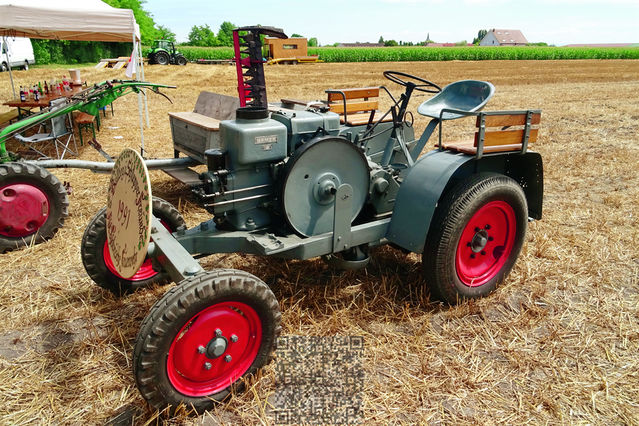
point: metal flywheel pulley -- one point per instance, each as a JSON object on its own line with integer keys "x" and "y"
{"x": 313, "y": 174}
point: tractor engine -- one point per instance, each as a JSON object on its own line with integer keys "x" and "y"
{"x": 239, "y": 184}
{"x": 285, "y": 166}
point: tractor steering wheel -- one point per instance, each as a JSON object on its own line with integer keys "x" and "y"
{"x": 421, "y": 85}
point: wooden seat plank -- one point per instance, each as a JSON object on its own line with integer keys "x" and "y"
{"x": 197, "y": 119}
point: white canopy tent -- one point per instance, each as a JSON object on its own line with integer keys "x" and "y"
{"x": 87, "y": 20}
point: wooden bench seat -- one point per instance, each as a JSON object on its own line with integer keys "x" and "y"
{"x": 355, "y": 105}
{"x": 197, "y": 119}
{"x": 495, "y": 133}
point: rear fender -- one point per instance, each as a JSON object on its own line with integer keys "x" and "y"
{"x": 437, "y": 172}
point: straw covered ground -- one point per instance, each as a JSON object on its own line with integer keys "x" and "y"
{"x": 557, "y": 342}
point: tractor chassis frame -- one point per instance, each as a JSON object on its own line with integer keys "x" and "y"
{"x": 174, "y": 252}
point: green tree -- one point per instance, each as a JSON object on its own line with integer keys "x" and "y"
{"x": 225, "y": 34}
{"x": 144, "y": 19}
{"x": 312, "y": 42}
{"x": 480, "y": 35}
{"x": 390, "y": 43}
{"x": 296, "y": 35}
{"x": 381, "y": 40}
{"x": 202, "y": 36}
{"x": 165, "y": 33}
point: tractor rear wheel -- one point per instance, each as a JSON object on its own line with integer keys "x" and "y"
{"x": 203, "y": 337}
{"x": 162, "y": 58}
{"x": 97, "y": 259}
{"x": 33, "y": 205}
{"x": 180, "y": 60}
{"x": 475, "y": 237}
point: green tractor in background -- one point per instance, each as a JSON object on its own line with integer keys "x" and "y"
{"x": 163, "y": 53}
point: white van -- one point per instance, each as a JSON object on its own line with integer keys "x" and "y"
{"x": 20, "y": 53}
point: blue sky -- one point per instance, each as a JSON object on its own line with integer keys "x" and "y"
{"x": 556, "y": 22}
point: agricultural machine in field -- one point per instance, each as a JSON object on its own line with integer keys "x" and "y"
{"x": 164, "y": 52}
{"x": 33, "y": 202}
{"x": 299, "y": 180}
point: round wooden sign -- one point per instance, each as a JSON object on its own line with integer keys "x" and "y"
{"x": 128, "y": 214}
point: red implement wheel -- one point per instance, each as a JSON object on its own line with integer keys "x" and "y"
{"x": 476, "y": 236}
{"x": 97, "y": 260}
{"x": 33, "y": 205}
{"x": 202, "y": 337}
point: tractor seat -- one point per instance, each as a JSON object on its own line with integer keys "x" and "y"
{"x": 464, "y": 95}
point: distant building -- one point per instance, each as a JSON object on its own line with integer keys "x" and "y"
{"x": 360, "y": 45}
{"x": 503, "y": 38}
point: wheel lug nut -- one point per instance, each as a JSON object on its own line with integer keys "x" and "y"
{"x": 218, "y": 332}
{"x": 477, "y": 229}
{"x": 487, "y": 227}
{"x": 483, "y": 253}
{"x": 207, "y": 366}
{"x": 468, "y": 244}
{"x": 201, "y": 349}
{"x": 472, "y": 256}
{"x": 233, "y": 338}
{"x": 490, "y": 238}
{"x": 228, "y": 358}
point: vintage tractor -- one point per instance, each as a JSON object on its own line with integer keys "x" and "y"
{"x": 298, "y": 182}
{"x": 163, "y": 52}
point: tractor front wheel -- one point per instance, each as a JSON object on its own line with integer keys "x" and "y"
{"x": 203, "y": 337}
{"x": 180, "y": 60}
{"x": 162, "y": 58}
{"x": 97, "y": 259}
{"x": 33, "y": 205}
{"x": 476, "y": 236}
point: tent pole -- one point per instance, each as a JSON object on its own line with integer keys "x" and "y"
{"x": 141, "y": 68}
{"x": 137, "y": 77}
{"x": 6, "y": 52}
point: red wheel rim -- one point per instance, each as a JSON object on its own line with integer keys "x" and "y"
{"x": 486, "y": 243}
{"x": 193, "y": 370}
{"x": 24, "y": 209}
{"x": 145, "y": 272}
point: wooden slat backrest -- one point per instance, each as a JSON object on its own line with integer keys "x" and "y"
{"x": 353, "y": 107}
{"x": 506, "y": 137}
{"x": 354, "y": 93}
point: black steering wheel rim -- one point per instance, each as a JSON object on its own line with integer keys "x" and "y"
{"x": 423, "y": 86}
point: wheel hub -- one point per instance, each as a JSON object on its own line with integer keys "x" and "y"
{"x": 216, "y": 347}
{"x": 479, "y": 241}
{"x": 485, "y": 243}
{"x": 24, "y": 209}
{"x": 203, "y": 361}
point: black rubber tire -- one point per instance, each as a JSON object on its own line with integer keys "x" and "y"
{"x": 162, "y": 58}
{"x": 49, "y": 185}
{"x": 26, "y": 66}
{"x": 180, "y": 60}
{"x": 453, "y": 213}
{"x": 152, "y": 59}
{"x": 92, "y": 250}
{"x": 3, "y": 67}
{"x": 168, "y": 316}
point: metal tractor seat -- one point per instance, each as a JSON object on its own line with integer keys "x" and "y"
{"x": 464, "y": 95}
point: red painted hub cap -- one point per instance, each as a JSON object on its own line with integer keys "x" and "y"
{"x": 24, "y": 208}
{"x": 486, "y": 243}
{"x": 145, "y": 272}
{"x": 202, "y": 362}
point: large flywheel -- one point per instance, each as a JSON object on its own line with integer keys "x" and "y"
{"x": 313, "y": 174}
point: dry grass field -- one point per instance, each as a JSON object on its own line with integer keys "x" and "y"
{"x": 557, "y": 343}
